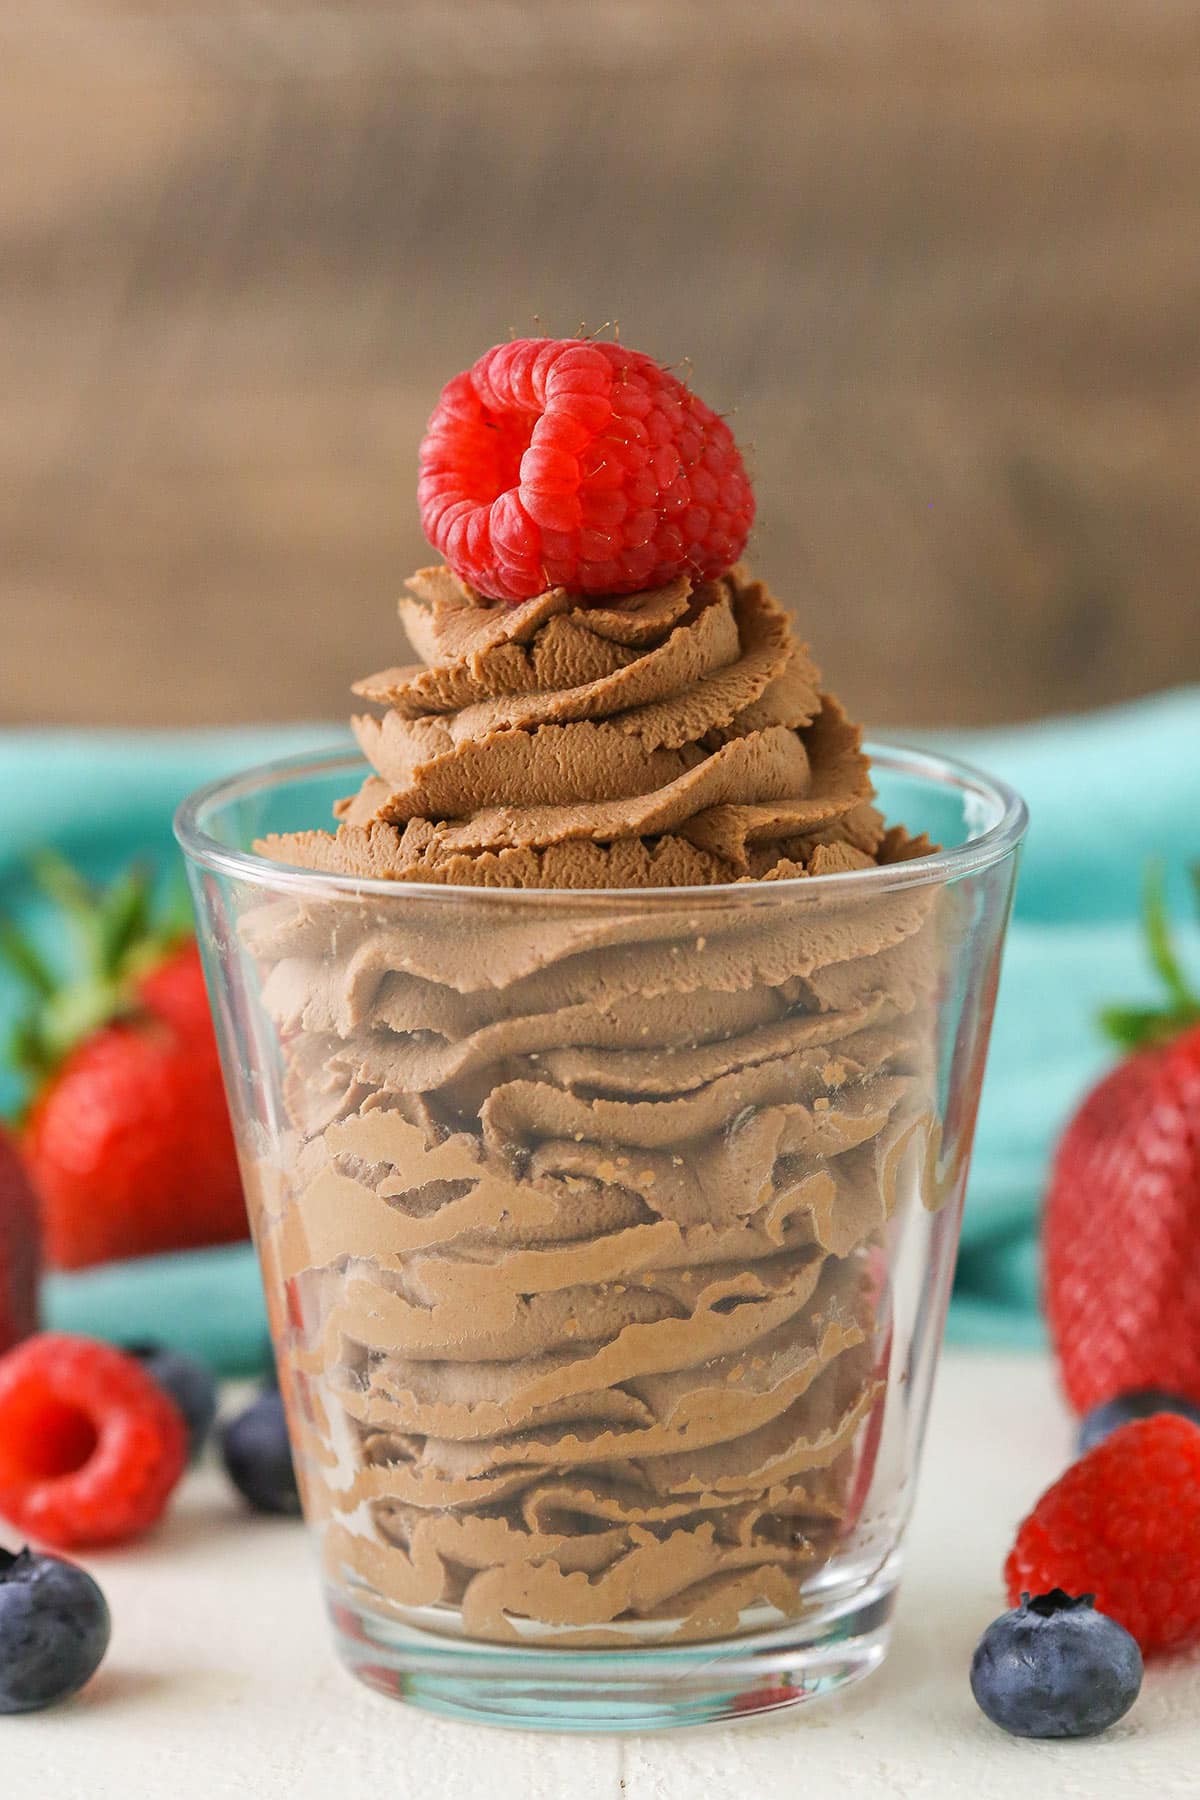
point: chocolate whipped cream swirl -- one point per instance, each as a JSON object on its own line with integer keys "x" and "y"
{"x": 679, "y": 738}
{"x": 585, "y": 1209}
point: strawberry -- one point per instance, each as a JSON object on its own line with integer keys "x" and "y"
{"x": 127, "y": 1138}
{"x": 18, "y": 1248}
{"x": 1123, "y": 1525}
{"x": 1121, "y": 1228}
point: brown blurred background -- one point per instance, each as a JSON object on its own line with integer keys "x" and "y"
{"x": 941, "y": 260}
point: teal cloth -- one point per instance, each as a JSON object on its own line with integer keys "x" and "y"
{"x": 1106, "y": 792}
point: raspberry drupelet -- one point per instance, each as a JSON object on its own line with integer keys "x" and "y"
{"x": 562, "y": 462}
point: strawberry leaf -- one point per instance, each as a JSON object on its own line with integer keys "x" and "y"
{"x": 70, "y": 893}
{"x": 118, "y": 939}
{"x": 1159, "y": 940}
{"x": 123, "y": 921}
{"x": 27, "y": 1050}
{"x": 62, "y": 883}
{"x": 78, "y": 1010}
{"x": 24, "y": 960}
{"x": 1135, "y": 1027}
{"x": 1140, "y": 1028}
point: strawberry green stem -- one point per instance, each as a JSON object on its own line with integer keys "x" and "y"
{"x": 117, "y": 941}
{"x": 1136, "y": 1028}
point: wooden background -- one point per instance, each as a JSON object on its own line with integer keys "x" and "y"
{"x": 941, "y": 260}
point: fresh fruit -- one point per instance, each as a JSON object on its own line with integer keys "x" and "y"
{"x": 127, "y": 1139}
{"x": 1103, "y": 1420}
{"x": 258, "y": 1455}
{"x": 54, "y": 1630}
{"x": 188, "y": 1381}
{"x": 765, "y": 1699}
{"x": 347, "y": 1621}
{"x": 1056, "y": 1668}
{"x": 1123, "y": 1524}
{"x": 1122, "y": 1218}
{"x": 566, "y": 462}
{"x": 18, "y": 1248}
{"x": 90, "y": 1446}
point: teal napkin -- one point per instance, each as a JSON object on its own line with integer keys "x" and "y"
{"x": 1106, "y": 792}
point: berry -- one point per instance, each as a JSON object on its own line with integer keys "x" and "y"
{"x": 347, "y": 1621}
{"x": 18, "y": 1248}
{"x": 1056, "y": 1668}
{"x": 1122, "y": 1231}
{"x": 563, "y": 462}
{"x": 764, "y": 1699}
{"x": 90, "y": 1446}
{"x": 1122, "y": 1217}
{"x": 1123, "y": 1524}
{"x": 127, "y": 1139}
{"x": 174, "y": 990}
{"x": 188, "y": 1381}
{"x": 54, "y": 1630}
{"x": 1103, "y": 1420}
{"x": 131, "y": 1149}
{"x": 258, "y": 1455}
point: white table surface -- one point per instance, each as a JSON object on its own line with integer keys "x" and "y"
{"x": 221, "y": 1685}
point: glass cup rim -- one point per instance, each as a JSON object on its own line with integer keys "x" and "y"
{"x": 1001, "y": 838}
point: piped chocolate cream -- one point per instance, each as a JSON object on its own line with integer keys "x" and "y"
{"x": 587, "y": 1205}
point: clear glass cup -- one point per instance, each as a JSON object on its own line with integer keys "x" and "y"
{"x": 607, "y": 1240}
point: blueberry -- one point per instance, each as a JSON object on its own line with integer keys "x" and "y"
{"x": 258, "y": 1455}
{"x": 1140, "y": 1404}
{"x": 54, "y": 1629}
{"x": 1056, "y": 1668}
{"x": 188, "y": 1381}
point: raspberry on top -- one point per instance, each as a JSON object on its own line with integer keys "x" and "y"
{"x": 569, "y": 463}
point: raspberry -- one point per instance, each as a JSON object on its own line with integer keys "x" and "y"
{"x": 90, "y": 1446}
{"x": 1123, "y": 1524}
{"x": 558, "y": 462}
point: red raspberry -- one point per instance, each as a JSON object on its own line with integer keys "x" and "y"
{"x": 558, "y": 462}
{"x": 1123, "y": 1524}
{"x": 90, "y": 1446}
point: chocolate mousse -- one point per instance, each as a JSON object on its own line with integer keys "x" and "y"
{"x": 588, "y": 1201}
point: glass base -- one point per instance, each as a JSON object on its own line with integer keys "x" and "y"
{"x": 606, "y": 1690}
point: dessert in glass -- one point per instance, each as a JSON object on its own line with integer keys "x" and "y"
{"x": 604, "y": 1082}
